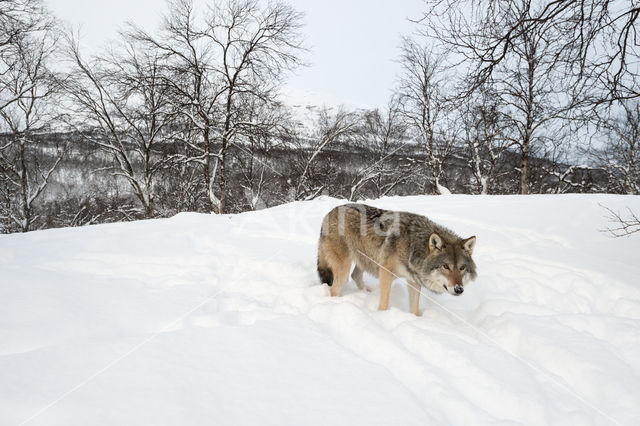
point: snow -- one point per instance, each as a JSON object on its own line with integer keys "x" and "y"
{"x": 204, "y": 319}
{"x": 442, "y": 190}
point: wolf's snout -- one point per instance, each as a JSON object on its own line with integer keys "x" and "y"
{"x": 458, "y": 289}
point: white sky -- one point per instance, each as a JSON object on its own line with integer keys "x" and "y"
{"x": 354, "y": 42}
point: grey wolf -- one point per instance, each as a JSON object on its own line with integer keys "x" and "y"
{"x": 390, "y": 244}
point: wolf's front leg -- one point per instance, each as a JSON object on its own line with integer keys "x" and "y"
{"x": 357, "y": 277}
{"x": 386, "y": 278}
{"x": 414, "y": 298}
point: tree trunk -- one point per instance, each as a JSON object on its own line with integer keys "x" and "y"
{"x": 207, "y": 169}
{"x": 225, "y": 142}
{"x": 524, "y": 170}
{"x": 24, "y": 183}
{"x": 223, "y": 182}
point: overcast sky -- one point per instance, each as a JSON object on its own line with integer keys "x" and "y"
{"x": 354, "y": 42}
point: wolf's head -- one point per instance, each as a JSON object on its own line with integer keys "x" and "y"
{"x": 443, "y": 263}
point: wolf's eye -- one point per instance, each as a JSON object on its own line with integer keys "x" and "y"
{"x": 463, "y": 267}
{"x": 445, "y": 266}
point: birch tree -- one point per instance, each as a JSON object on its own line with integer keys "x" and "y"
{"x": 238, "y": 48}
{"x": 21, "y": 22}
{"x": 619, "y": 156}
{"x": 530, "y": 75}
{"x": 330, "y": 130}
{"x": 423, "y": 105}
{"x": 596, "y": 40}
{"x": 124, "y": 102}
{"x": 267, "y": 126}
{"x": 384, "y": 134}
{"x": 28, "y": 92}
{"x": 484, "y": 137}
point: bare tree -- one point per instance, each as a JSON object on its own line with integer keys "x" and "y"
{"x": 423, "y": 104}
{"x": 238, "y": 49}
{"x": 597, "y": 39}
{"x": 267, "y": 125}
{"x": 619, "y": 157}
{"x": 484, "y": 136}
{"x": 196, "y": 89}
{"x": 622, "y": 225}
{"x": 529, "y": 84}
{"x": 331, "y": 130}
{"x": 20, "y": 22}
{"x": 123, "y": 98}
{"x": 384, "y": 134}
{"x": 530, "y": 79}
{"x": 28, "y": 89}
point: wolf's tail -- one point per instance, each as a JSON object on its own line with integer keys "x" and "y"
{"x": 324, "y": 270}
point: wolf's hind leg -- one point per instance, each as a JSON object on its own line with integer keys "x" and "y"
{"x": 357, "y": 277}
{"x": 414, "y": 298}
{"x": 340, "y": 276}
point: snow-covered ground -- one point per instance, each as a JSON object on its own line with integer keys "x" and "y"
{"x": 220, "y": 320}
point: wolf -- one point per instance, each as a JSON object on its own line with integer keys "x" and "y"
{"x": 391, "y": 244}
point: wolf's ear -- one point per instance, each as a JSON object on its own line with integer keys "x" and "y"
{"x": 435, "y": 242}
{"x": 469, "y": 244}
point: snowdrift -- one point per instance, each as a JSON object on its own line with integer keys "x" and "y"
{"x": 202, "y": 319}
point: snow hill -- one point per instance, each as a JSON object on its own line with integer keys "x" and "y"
{"x": 220, "y": 320}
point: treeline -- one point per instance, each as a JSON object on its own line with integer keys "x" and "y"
{"x": 506, "y": 100}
